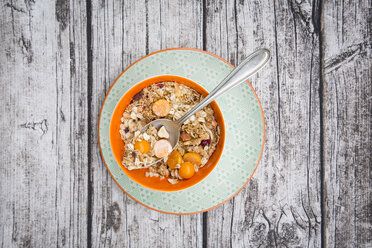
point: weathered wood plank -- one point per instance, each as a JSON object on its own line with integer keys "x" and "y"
{"x": 43, "y": 176}
{"x": 122, "y": 33}
{"x": 347, "y": 123}
{"x": 281, "y": 205}
{"x": 44, "y": 117}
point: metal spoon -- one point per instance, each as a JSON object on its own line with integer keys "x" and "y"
{"x": 247, "y": 68}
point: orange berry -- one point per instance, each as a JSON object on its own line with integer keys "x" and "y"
{"x": 142, "y": 146}
{"x": 192, "y": 157}
{"x": 161, "y": 107}
{"x": 162, "y": 148}
{"x": 187, "y": 170}
{"x": 173, "y": 159}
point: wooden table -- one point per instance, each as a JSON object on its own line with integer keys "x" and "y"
{"x": 313, "y": 186}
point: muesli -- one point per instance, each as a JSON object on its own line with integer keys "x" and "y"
{"x": 198, "y": 140}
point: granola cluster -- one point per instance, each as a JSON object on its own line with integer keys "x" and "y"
{"x": 199, "y": 134}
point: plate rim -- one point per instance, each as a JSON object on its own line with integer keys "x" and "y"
{"x": 263, "y": 138}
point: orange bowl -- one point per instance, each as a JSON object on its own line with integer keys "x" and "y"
{"x": 155, "y": 183}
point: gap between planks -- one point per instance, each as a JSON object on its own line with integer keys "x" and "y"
{"x": 89, "y": 103}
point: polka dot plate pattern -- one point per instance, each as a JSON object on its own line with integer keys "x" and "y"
{"x": 244, "y": 123}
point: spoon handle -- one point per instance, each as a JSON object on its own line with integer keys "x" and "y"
{"x": 247, "y": 68}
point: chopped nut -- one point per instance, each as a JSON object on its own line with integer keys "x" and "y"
{"x": 136, "y": 161}
{"x": 152, "y": 174}
{"x": 172, "y": 181}
{"x": 181, "y": 150}
{"x": 185, "y": 136}
{"x": 177, "y": 90}
{"x": 162, "y": 133}
{"x": 193, "y": 142}
{"x": 163, "y": 171}
{"x": 130, "y": 146}
{"x": 145, "y": 136}
{"x": 203, "y": 161}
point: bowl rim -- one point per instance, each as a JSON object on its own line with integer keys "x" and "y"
{"x": 220, "y": 144}
{"x": 204, "y": 210}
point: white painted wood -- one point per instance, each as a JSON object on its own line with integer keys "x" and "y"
{"x": 347, "y": 124}
{"x": 43, "y": 174}
{"x": 123, "y": 33}
{"x": 281, "y": 204}
{"x": 313, "y": 185}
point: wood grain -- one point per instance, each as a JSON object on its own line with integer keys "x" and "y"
{"x": 58, "y": 59}
{"x": 347, "y": 124}
{"x": 43, "y": 175}
{"x": 123, "y": 32}
{"x": 281, "y": 204}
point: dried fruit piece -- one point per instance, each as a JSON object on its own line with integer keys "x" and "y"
{"x": 205, "y": 142}
{"x": 138, "y": 96}
{"x": 185, "y": 136}
{"x": 142, "y": 146}
{"x": 161, "y": 107}
{"x": 187, "y": 170}
{"x": 160, "y": 85}
{"x": 192, "y": 157}
{"x": 173, "y": 159}
{"x": 162, "y": 148}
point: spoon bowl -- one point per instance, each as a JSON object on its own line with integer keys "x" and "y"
{"x": 172, "y": 127}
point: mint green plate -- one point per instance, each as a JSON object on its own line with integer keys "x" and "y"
{"x": 244, "y": 121}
